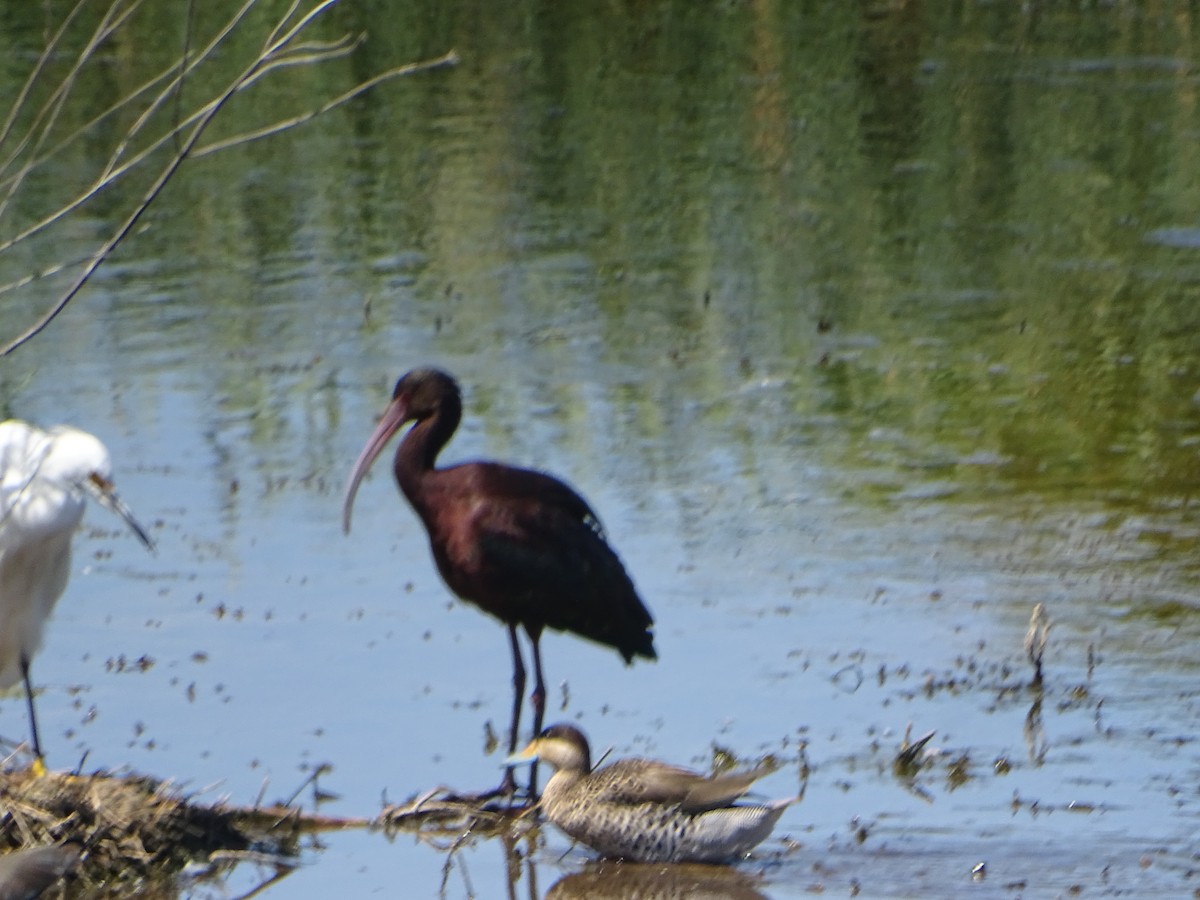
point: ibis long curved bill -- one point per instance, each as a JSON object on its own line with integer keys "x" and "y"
{"x": 393, "y": 419}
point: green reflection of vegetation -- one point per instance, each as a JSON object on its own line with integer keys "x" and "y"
{"x": 928, "y": 233}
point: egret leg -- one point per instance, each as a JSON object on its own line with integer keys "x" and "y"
{"x": 537, "y": 700}
{"x": 39, "y": 765}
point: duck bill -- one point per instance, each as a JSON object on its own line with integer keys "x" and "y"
{"x": 106, "y": 495}
{"x": 393, "y": 417}
{"x": 523, "y": 757}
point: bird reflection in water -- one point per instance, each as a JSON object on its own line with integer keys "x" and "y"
{"x": 597, "y": 880}
{"x": 657, "y": 882}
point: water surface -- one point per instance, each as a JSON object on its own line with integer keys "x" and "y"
{"x": 864, "y": 330}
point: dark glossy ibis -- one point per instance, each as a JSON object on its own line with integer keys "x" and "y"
{"x": 517, "y": 543}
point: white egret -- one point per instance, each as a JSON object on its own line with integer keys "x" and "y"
{"x": 45, "y": 478}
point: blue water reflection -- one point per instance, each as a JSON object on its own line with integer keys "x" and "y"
{"x": 864, "y": 330}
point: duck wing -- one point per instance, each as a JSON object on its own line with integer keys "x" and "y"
{"x": 649, "y": 781}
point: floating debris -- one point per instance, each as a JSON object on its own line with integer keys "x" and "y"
{"x": 911, "y": 755}
{"x": 441, "y": 813}
{"x": 958, "y": 771}
{"x": 1035, "y": 640}
{"x": 1034, "y": 731}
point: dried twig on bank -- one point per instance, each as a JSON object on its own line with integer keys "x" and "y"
{"x": 134, "y": 828}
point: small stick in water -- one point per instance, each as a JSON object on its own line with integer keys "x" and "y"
{"x": 1035, "y": 640}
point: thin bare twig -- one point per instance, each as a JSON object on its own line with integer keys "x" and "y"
{"x": 36, "y": 73}
{"x": 45, "y": 119}
{"x": 26, "y": 280}
{"x": 112, "y": 172}
{"x": 189, "y": 22}
{"x": 448, "y": 59}
{"x": 283, "y": 48}
{"x": 172, "y": 88}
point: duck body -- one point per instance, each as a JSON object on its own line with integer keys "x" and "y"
{"x": 648, "y": 811}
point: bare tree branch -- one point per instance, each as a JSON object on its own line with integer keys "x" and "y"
{"x": 36, "y": 73}
{"x": 448, "y": 59}
{"x": 47, "y": 116}
{"x": 282, "y": 49}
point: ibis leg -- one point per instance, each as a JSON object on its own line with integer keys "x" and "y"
{"x": 518, "y": 689}
{"x": 508, "y": 787}
{"x": 538, "y": 701}
{"x": 510, "y": 781}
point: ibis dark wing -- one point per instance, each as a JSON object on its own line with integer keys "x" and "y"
{"x": 541, "y": 555}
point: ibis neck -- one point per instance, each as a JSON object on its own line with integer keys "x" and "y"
{"x": 417, "y": 455}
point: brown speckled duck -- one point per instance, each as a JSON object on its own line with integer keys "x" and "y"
{"x": 645, "y": 810}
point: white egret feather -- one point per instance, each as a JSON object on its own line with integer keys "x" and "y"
{"x": 45, "y": 479}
